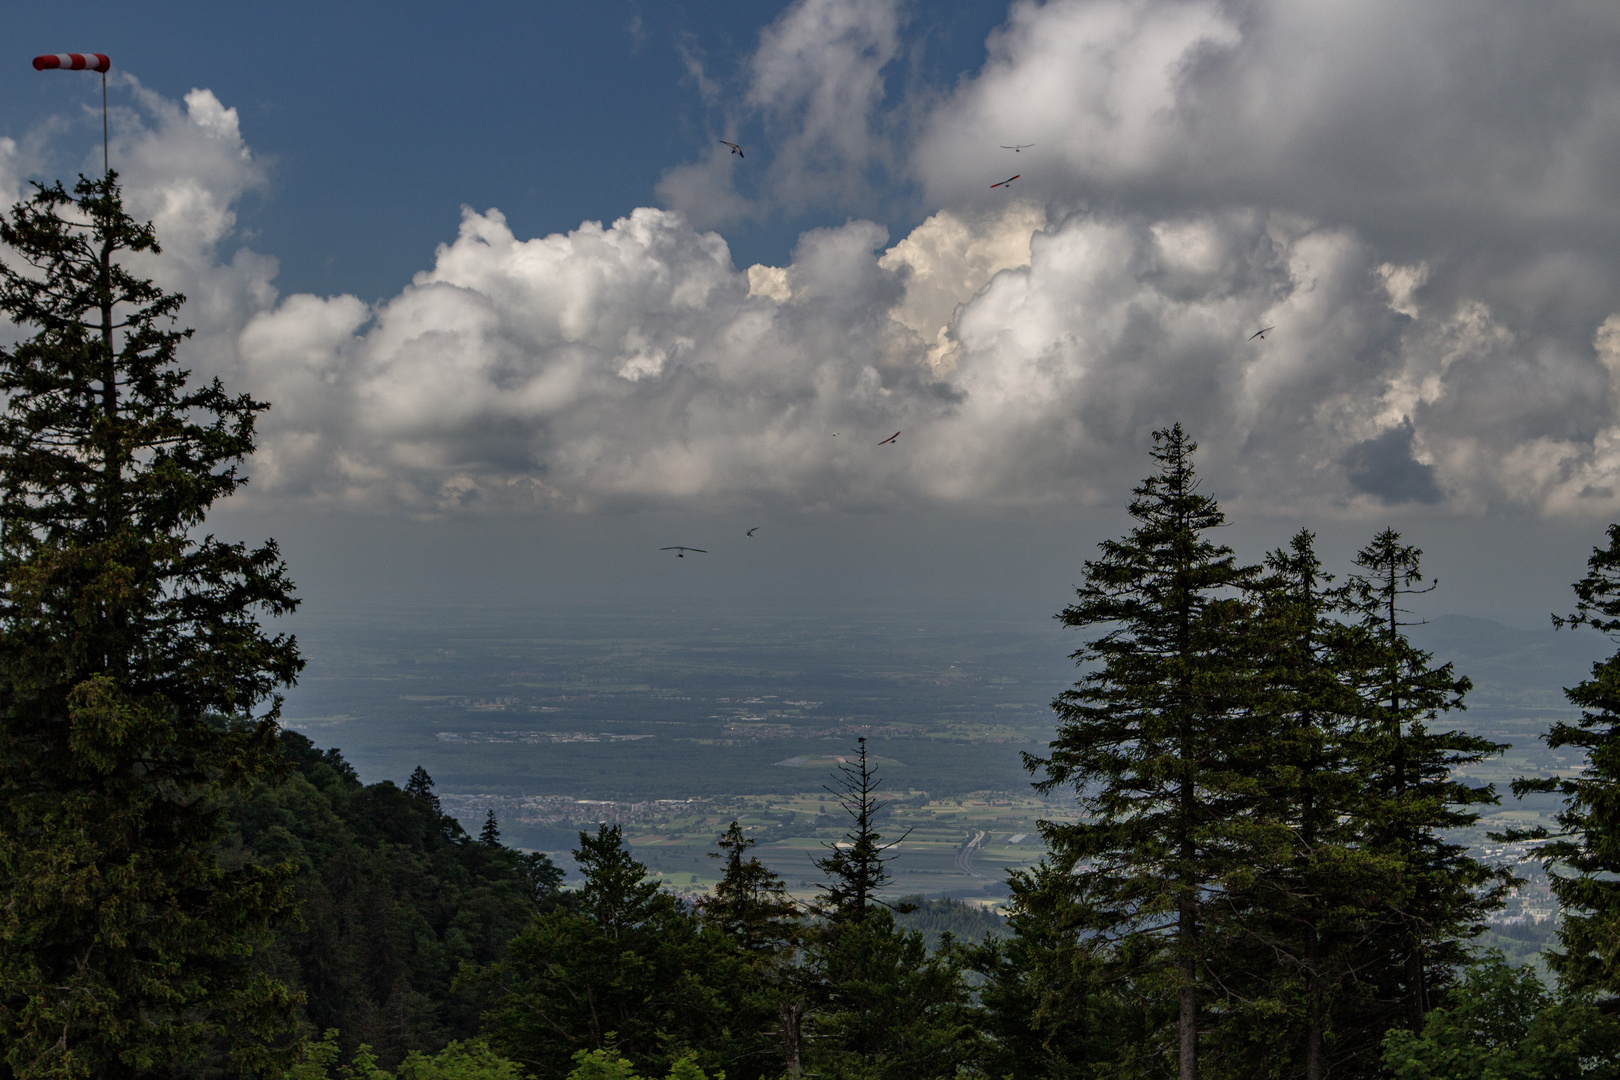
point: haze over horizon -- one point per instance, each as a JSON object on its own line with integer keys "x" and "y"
{"x": 523, "y": 320}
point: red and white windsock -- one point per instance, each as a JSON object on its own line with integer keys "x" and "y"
{"x": 72, "y": 61}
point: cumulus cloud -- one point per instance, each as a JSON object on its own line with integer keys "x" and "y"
{"x": 1402, "y": 118}
{"x": 1419, "y": 201}
{"x": 184, "y": 166}
{"x": 819, "y": 76}
{"x": 633, "y": 363}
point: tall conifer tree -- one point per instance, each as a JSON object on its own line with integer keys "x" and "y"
{"x": 752, "y": 907}
{"x": 1586, "y": 849}
{"x": 1144, "y": 736}
{"x": 136, "y": 686}
{"x": 751, "y": 902}
{"x": 858, "y": 868}
{"x": 1313, "y": 892}
{"x": 1413, "y": 799}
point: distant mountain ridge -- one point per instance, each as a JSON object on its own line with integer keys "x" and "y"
{"x": 1511, "y": 667}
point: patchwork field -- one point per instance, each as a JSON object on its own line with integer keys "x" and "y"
{"x": 674, "y": 724}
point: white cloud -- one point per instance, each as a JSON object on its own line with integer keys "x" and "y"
{"x": 1414, "y": 118}
{"x": 634, "y": 363}
{"x": 946, "y": 260}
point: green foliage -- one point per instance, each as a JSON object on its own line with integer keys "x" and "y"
{"x": 943, "y": 920}
{"x": 137, "y": 688}
{"x": 602, "y": 1065}
{"x": 1265, "y": 802}
{"x": 1351, "y": 909}
{"x": 1412, "y": 797}
{"x": 1052, "y": 1003}
{"x": 490, "y": 835}
{"x": 1583, "y": 859}
{"x": 761, "y": 924}
{"x": 1297, "y": 913}
{"x": 608, "y": 1065}
{"x": 618, "y": 894}
{"x": 751, "y": 904}
{"x": 1500, "y": 1023}
{"x": 629, "y": 968}
{"x": 458, "y": 1061}
{"x": 394, "y": 899}
{"x": 881, "y": 1006}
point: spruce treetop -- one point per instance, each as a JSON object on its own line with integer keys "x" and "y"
{"x": 617, "y": 892}
{"x": 857, "y": 868}
{"x": 490, "y": 834}
{"x": 751, "y": 901}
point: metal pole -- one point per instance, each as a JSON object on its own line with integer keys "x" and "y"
{"x": 106, "y": 169}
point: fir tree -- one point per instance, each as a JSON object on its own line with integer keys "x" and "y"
{"x": 882, "y": 1006}
{"x": 618, "y": 893}
{"x": 1585, "y": 851}
{"x": 1143, "y": 736}
{"x": 857, "y": 868}
{"x": 750, "y": 902}
{"x": 420, "y": 786}
{"x": 629, "y": 969}
{"x": 751, "y": 906}
{"x": 490, "y": 834}
{"x": 543, "y": 877}
{"x": 1303, "y": 908}
{"x": 137, "y": 688}
{"x": 1054, "y": 1004}
{"x": 1412, "y": 797}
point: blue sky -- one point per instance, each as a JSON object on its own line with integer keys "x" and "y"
{"x": 377, "y": 122}
{"x": 628, "y": 332}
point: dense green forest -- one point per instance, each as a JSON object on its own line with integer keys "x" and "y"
{"x": 1260, "y": 884}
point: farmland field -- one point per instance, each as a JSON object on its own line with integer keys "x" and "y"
{"x": 673, "y": 724}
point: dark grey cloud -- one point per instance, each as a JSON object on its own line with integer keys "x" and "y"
{"x": 1384, "y": 468}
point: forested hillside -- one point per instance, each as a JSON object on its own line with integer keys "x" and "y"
{"x": 393, "y": 898}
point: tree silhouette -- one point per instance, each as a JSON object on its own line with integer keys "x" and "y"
{"x": 1412, "y": 798}
{"x": 420, "y": 786}
{"x": 137, "y": 688}
{"x": 1585, "y": 850}
{"x": 1145, "y": 737}
{"x": 858, "y": 867}
{"x": 750, "y": 901}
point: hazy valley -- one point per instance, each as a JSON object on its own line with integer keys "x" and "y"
{"x": 675, "y": 723}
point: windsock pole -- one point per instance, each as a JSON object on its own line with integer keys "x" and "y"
{"x": 84, "y": 62}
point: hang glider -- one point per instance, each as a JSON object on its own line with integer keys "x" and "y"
{"x": 890, "y": 439}
{"x": 735, "y": 149}
{"x": 1007, "y": 181}
{"x": 1017, "y": 147}
{"x": 1261, "y": 334}
{"x": 680, "y": 551}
